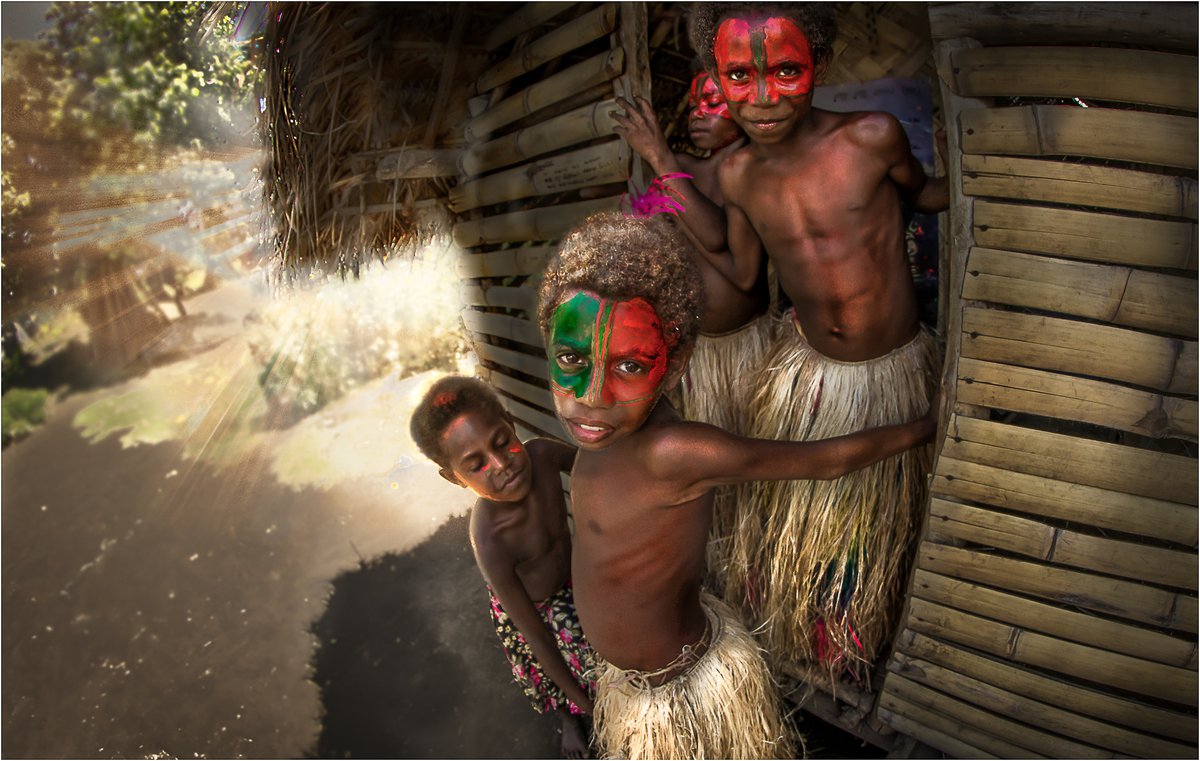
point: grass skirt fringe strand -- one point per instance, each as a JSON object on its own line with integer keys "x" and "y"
{"x": 724, "y": 706}
{"x": 717, "y": 389}
{"x": 821, "y": 565}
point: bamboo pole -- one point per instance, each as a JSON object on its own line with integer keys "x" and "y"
{"x": 503, "y": 326}
{"x": 1047, "y": 689}
{"x": 583, "y": 168}
{"x": 1079, "y": 184}
{"x": 580, "y": 125}
{"x": 1109, "y": 74}
{"x": 1120, "y": 295}
{"x": 1103, "y": 133}
{"x": 1052, "y": 498}
{"x": 594, "y": 71}
{"x": 1167, "y": 25}
{"x": 1116, "y": 467}
{"x": 631, "y": 37}
{"x": 1081, "y": 348}
{"x": 527, "y": 18}
{"x": 564, "y": 39}
{"x": 1043, "y": 715}
{"x": 546, "y": 223}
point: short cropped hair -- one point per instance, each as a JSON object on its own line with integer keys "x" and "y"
{"x": 446, "y": 400}
{"x": 623, "y": 257}
{"x": 818, "y": 20}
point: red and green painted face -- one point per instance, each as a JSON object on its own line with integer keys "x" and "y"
{"x": 705, "y": 98}
{"x": 762, "y": 60}
{"x": 608, "y": 365}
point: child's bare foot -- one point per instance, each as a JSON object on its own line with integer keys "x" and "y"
{"x": 574, "y": 737}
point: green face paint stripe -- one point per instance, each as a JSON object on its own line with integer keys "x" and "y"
{"x": 758, "y": 49}
{"x": 601, "y": 335}
{"x": 566, "y": 322}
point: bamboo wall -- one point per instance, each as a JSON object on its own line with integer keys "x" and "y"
{"x": 540, "y": 157}
{"x": 1053, "y": 608}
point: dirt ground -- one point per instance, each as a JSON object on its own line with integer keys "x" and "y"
{"x": 264, "y": 598}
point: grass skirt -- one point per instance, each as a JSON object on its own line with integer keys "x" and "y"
{"x": 717, "y": 389}
{"x": 821, "y": 565}
{"x": 724, "y": 706}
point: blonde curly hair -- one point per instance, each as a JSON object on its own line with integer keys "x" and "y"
{"x": 623, "y": 257}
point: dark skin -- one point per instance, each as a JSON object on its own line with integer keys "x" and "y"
{"x": 820, "y": 192}
{"x": 733, "y": 296}
{"x": 643, "y": 504}
{"x": 520, "y": 536}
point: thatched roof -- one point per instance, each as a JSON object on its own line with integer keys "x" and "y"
{"x": 347, "y": 86}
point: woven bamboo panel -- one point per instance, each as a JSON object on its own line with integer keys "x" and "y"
{"x": 1053, "y": 608}
{"x": 540, "y": 157}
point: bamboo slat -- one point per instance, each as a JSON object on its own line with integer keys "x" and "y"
{"x": 1079, "y": 184}
{"x": 1081, "y": 348}
{"x": 528, "y": 17}
{"x": 1044, "y": 652}
{"x": 1165, "y": 25}
{"x": 534, "y": 395}
{"x": 1120, "y": 295}
{"x": 596, "y": 70}
{"x": 943, "y": 732}
{"x": 1127, "y": 469}
{"x": 500, "y": 297}
{"x": 583, "y": 168}
{"x": 411, "y": 163}
{"x": 562, "y": 39}
{"x": 1053, "y": 498}
{"x": 525, "y": 363}
{"x": 534, "y": 417}
{"x": 1086, "y": 235}
{"x": 546, "y": 223}
{"x": 1065, "y": 624}
{"x": 1021, "y": 739}
{"x": 1129, "y": 600}
{"x": 1046, "y": 689}
{"x": 632, "y": 37}
{"x": 527, "y": 260}
{"x": 1036, "y": 713}
{"x": 503, "y": 326}
{"x": 1043, "y": 542}
{"x": 582, "y": 124}
{"x": 1037, "y": 392}
{"x": 1111, "y": 74}
{"x": 1102, "y": 133}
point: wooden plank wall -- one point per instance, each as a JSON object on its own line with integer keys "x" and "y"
{"x": 1053, "y": 608}
{"x": 541, "y": 156}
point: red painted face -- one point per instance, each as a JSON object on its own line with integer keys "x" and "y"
{"x": 762, "y": 60}
{"x": 608, "y": 366}
{"x": 705, "y": 98}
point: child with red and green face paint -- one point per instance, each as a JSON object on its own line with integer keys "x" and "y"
{"x": 679, "y": 674}
{"x": 820, "y": 193}
{"x": 735, "y": 328}
{"x": 521, "y": 541}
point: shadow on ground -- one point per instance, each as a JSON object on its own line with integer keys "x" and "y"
{"x": 409, "y": 666}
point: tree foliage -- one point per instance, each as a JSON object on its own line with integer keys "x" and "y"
{"x": 161, "y": 72}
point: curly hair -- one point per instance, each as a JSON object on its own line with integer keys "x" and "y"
{"x": 446, "y": 400}
{"x": 623, "y": 257}
{"x": 818, "y": 20}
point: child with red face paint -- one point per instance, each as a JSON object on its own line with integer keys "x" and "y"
{"x": 521, "y": 542}
{"x": 821, "y": 192}
{"x": 679, "y": 676}
{"x": 735, "y": 329}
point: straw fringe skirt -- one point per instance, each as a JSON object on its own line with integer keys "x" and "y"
{"x": 724, "y": 706}
{"x": 821, "y": 565}
{"x": 717, "y": 389}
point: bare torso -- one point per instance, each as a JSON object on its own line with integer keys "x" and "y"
{"x": 533, "y": 535}
{"x": 828, "y": 215}
{"x": 638, "y": 557}
{"x": 727, "y": 307}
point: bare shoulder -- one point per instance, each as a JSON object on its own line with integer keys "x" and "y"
{"x": 550, "y": 452}
{"x": 672, "y": 447}
{"x": 873, "y": 130}
{"x": 689, "y": 163}
{"x": 733, "y": 170}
